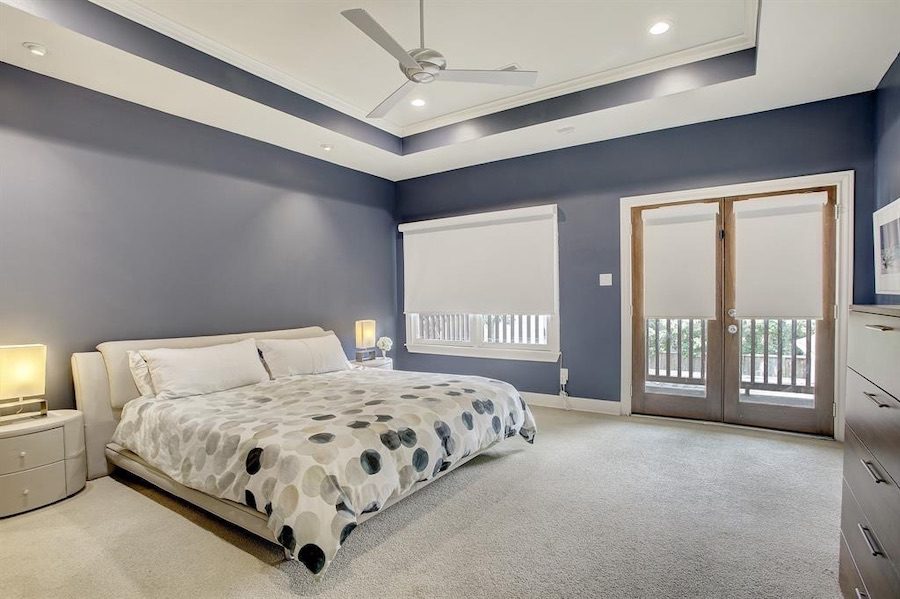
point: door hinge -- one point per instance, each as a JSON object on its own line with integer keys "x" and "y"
{"x": 834, "y": 409}
{"x": 721, "y": 233}
{"x": 837, "y": 211}
{"x": 835, "y": 311}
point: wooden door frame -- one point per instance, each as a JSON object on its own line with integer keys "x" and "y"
{"x": 661, "y": 404}
{"x": 842, "y": 180}
{"x": 821, "y": 421}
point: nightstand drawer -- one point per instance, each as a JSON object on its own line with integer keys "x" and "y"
{"x": 30, "y": 451}
{"x": 30, "y": 489}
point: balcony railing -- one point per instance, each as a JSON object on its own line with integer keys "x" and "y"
{"x": 776, "y": 354}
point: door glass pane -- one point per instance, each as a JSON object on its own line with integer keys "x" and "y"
{"x": 676, "y": 356}
{"x": 778, "y": 362}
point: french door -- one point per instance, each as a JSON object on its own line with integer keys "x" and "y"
{"x": 733, "y": 310}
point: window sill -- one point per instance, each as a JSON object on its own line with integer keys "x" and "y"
{"x": 497, "y": 353}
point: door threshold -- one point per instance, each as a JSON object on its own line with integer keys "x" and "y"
{"x": 737, "y": 426}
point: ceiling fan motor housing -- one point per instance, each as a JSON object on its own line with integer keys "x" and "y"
{"x": 431, "y": 62}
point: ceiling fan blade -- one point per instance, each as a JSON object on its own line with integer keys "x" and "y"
{"x": 525, "y": 78}
{"x": 392, "y": 100}
{"x": 370, "y": 27}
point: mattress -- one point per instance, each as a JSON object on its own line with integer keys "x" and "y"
{"x": 316, "y": 453}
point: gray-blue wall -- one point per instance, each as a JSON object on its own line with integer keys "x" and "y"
{"x": 587, "y": 182}
{"x": 118, "y": 221}
{"x": 887, "y": 147}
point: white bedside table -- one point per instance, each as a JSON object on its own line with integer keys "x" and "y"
{"x": 41, "y": 461}
{"x": 379, "y": 363}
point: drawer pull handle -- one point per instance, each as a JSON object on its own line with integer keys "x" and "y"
{"x": 870, "y": 468}
{"x": 860, "y": 594}
{"x": 878, "y": 327}
{"x": 25, "y": 492}
{"x": 22, "y": 454}
{"x": 874, "y": 397}
{"x": 871, "y": 541}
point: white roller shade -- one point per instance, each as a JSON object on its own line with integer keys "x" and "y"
{"x": 778, "y": 256}
{"x": 679, "y": 244}
{"x": 492, "y": 263}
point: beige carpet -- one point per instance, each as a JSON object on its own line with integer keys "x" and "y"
{"x": 598, "y": 507}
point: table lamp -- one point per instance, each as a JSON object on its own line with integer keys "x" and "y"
{"x": 22, "y": 376}
{"x": 365, "y": 340}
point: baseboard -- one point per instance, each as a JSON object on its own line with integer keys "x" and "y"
{"x": 579, "y": 404}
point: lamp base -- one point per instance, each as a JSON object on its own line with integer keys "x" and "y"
{"x": 364, "y": 355}
{"x": 13, "y": 410}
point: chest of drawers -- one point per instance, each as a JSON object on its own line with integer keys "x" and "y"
{"x": 870, "y": 514}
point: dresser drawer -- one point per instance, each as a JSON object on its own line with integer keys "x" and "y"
{"x": 849, "y": 579}
{"x": 874, "y": 347}
{"x": 29, "y": 489}
{"x": 875, "y": 491}
{"x": 875, "y": 418}
{"x": 865, "y": 544}
{"x": 30, "y": 451}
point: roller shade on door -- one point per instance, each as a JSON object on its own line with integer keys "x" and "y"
{"x": 778, "y": 249}
{"x": 493, "y": 263}
{"x": 679, "y": 244}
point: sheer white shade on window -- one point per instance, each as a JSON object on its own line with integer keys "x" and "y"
{"x": 778, "y": 256}
{"x": 491, "y": 263}
{"x": 679, "y": 244}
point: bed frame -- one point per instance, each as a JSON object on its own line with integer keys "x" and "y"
{"x": 103, "y": 385}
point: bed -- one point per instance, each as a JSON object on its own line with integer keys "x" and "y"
{"x": 300, "y": 460}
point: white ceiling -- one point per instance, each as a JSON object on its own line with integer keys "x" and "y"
{"x": 308, "y": 46}
{"x": 808, "y": 51}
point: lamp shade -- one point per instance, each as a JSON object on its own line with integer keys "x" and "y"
{"x": 365, "y": 334}
{"x": 22, "y": 370}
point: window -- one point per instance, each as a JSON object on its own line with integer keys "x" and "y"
{"x": 510, "y": 336}
{"x": 483, "y": 285}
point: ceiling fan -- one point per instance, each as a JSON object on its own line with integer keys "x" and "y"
{"x": 424, "y": 65}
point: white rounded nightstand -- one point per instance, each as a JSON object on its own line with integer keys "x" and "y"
{"x": 379, "y": 363}
{"x": 41, "y": 461}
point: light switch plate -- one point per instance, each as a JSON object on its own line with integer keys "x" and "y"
{"x": 605, "y": 279}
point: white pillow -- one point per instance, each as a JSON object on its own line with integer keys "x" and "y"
{"x": 315, "y": 355}
{"x": 199, "y": 370}
{"x": 140, "y": 373}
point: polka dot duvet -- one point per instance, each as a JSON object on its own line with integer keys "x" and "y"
{"x": 316, "y": 452}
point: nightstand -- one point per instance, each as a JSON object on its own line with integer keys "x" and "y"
{"x": 378, "y": 363}
{"x": 41, "y": 461}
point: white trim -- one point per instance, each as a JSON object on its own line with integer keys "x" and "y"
{"x": 843, "y": 180}
{"x": 578, "y": 404}
{"x": 499, "y": 353}
{"x": 480, "y": 218}
{"x": 149, "y": 18}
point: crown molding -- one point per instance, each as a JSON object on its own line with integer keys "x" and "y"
{"x": 140, "y": 14}
{"x": 148, "y": 18}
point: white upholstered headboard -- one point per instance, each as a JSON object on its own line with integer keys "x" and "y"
{"x": 103, "y": 383}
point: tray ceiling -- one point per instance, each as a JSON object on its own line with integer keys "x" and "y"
{"x": 307, "y": 46}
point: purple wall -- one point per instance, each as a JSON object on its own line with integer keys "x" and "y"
{"x": 887, "y": 147}
{"x": 119, "y": 221}
{"x": 587, "y": 182}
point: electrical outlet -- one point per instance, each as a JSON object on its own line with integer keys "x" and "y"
{"x": 563, "y": 376}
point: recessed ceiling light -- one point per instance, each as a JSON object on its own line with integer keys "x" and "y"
{"x": 327, "y": 147}
{"x": 35, "y": 48}
{"x": 659, "y": 28}
{"x": 418, "y": 102}
{"x": 565, "y": 130}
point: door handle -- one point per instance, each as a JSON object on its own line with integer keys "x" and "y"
{"x": 732, "y": 328}
{"x": 874, "y": 398}
{"x": 871, "y": 541}
{"x": 870, "y": 468}
{"x": 732, "y": 312}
